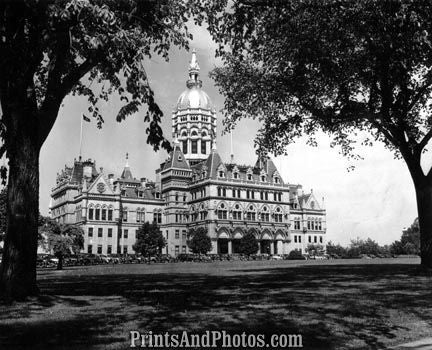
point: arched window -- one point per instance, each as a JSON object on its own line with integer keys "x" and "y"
{"x": 249, "y": 177}
{"x": 104, "y": 213}
{"x": 221, "y": 174}
{"x": 263, "y": 178}
{"x": 265, "y": 214}
{"x": 184, "y": 133}
{"x": 110, "y": 213}
{"x": 97, "y": 213}
{"x": 91, "y": 212}
{"x": 312, "y": 205}
{"x": 237, "y": 214}
{"x": 222, "y": 212}
{"x": 194, "y": 133}
{"x": 236, "y": 175}
{"x": 251, "y": 213}
{"x": 278, "y": 215}
{"x": 203, "y": 134}
{"x": 276, "y": 179}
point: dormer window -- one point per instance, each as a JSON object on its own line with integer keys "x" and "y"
{"x": 221, "y": 174}
{"x": 312, "y": 205}
{"x": 249, "y": 177}
{"x": 276, "y": 180}
{"x": 236, "y": 175}
{"x": 263, "y": 178}
{"x": 180, "y": 158}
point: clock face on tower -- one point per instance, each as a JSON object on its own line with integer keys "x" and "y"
{"x": 100, "y": 187}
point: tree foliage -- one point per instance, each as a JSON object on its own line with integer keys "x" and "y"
{"x": 62, "y": 240}
{"x": 248, "y": 244}
{"x": 149, "y": 240}
{"x": 346, "y": 68}
{"x": 200, "y": 241}
{"x": 409, "y": 242}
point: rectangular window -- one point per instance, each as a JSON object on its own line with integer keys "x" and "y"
{"x": 295, "y": 239}
{"x": 320, "y": 239}
{"x": 125, "y": 233}
{"x": 125, "y": 249}
{"x": 89, "y": 249}
{"x": 219, "y": 192}
{"x": 90, "y": 214}
{"x": 185, "y": 148}
{"x": 262, "y": 195}
{"x": 110, "y": 232}
{"x": 177, "y": 250}
{"x": 299, "y": 239}
{"x": 266, "y": 196}
{"x": 203, "y": 147}
{"x": 159, "y": 218}
{"x": 310, "y": 239}
{"x": 110, "y": 214}
{"x": 167, "y": 235}
{"x": 104, "y": 212}
{"x": 280, "y": 197}
{"x": 224, "y": 192}
{"x": 238, "y": 194}
{"x": 296, "y": 224}
{"x": 315, "y": 239}
{"x": 125, "y": 216}
{"x": 99, "y": 249}
{"x": 177, "y": 234}
{"x": 183, "y": 249}
{"x": 247, "y": 194}
{"x": 194, "y": 146}
{"x": 90, "y": 231}
{"x": 97, "y": 216}
{"x": 100, "y": 232}
{"x": 184, "y": 235}
{"x": 109, "y": 249}
{"x": 253, "y": 195}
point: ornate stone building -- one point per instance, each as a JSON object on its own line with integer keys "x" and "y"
{"x": 194, "y": 187}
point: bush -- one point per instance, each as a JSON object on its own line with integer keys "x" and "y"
{"x": 295, "y": 255}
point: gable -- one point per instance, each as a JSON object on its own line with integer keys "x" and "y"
{"x": 100, "y": 186}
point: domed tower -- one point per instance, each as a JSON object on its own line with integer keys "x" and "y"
{"x": 194, "y": 118}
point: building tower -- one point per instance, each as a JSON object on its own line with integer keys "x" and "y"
{"x": 194, "y": 118}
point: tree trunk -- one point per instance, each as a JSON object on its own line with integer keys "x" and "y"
{"x": 424, "y": 207}
{"x": 18, "y": 269}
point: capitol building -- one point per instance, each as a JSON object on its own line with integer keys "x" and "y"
{"x": 193, "y": 188}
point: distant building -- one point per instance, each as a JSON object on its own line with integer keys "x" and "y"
{"x": 193, "y": 187}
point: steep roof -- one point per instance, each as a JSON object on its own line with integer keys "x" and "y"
{"x": 176, "y": 159}
{"x": 127, "y": 173}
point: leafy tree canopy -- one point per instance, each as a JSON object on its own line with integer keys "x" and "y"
{"x": 3, "y": 215}
{"x": 336, "y": 66}
{"x": 347, "y": 68}
{"x": 47, "y": 47}
{"x": 149, "y": 240}
{"x": 248, "y": 244}
{"x": 200, "y": 241}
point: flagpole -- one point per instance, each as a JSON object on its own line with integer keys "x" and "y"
{"x": 81, "y": 136}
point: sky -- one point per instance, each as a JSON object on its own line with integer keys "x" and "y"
{"x": 375, "y": 200}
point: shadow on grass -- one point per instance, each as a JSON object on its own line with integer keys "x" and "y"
{"x": 331, "y": 306}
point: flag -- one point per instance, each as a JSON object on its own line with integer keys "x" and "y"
{"x": 85, "y": 118}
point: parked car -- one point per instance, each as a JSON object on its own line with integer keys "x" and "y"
{"x": 114, "y": 258}
{"x": 185, "y": 257}
{"x": 276, "y": 257}
{"x": 164, "y": 258}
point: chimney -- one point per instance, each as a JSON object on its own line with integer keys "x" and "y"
{"x": 143, "y": 181}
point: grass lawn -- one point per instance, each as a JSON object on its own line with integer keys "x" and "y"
{"x": 339, "y": 304}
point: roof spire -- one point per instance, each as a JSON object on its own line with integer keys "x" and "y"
{"x": 194, "y": 69}
{"x": 214, "y": 148}
{"x": 127, "y": 160}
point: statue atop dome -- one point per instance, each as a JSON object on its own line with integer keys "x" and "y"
{"x": 194, "y": 69}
